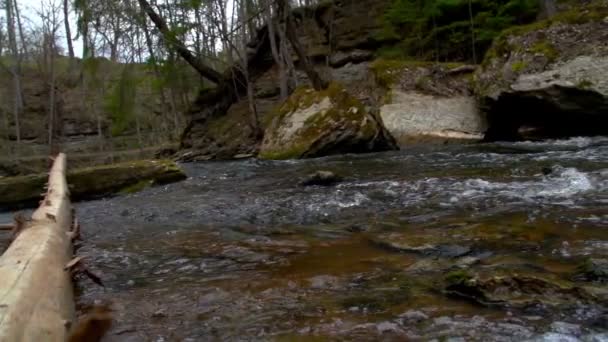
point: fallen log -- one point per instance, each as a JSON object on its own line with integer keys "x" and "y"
{"x": 36, "y": 293}
{"x": 92, "y": 182}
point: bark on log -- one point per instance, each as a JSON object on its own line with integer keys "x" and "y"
{"x": 36, "y": 294}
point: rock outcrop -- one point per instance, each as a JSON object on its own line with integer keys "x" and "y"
{"x": 336, "y": 36}
{"x": 548, "y": 79}
{"x": 319, "y": 123}
{"x": 428, "y": 102}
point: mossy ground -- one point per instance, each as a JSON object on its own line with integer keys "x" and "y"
{"x": 594, "y": 12}
{"x": 388, "y": 71}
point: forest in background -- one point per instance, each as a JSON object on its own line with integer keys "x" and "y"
{"x": 135, "y": 77}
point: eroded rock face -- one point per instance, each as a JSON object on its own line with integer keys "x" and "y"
{"x": 549, "y": 80}
{"x": 338, "y": 33}
{"x": 314, "y": 124}
{"x": 428, "y": 102}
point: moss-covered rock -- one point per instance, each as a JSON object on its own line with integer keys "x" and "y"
{"x": 516, "y": 291}
{"x": 595, "y": 270}
{"x": 92, "y": 182}
{"x": 548, "y": 79}
{"x": 318, "y": 123}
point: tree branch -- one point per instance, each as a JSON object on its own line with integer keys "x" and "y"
{"x": 171, "y": 40}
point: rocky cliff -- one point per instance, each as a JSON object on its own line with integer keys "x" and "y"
{"x": 548, "y": 79}
{"x": 342, "y": 38}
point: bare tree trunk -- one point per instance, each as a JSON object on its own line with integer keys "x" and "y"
{"x": 548, "y": 8}
{"x": 15, "y": 69}
{"x": 275, "y": 54}
{"x": 209, "y": 73}
{"x": 285, "y": 54}
{"x": 52, "y": 122}
{"x": 255, "y": 122}
{"x": 20, "y": 26}
{"x": 290, "y": 29}
{"x": 68, "y": 32}
{"x": 157, "y": 74}
{"x": 473, "y": 48}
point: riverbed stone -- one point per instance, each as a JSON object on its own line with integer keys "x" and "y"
{"x": 322, "y": 178}
{"x": 593, "y": 269}
{"x": 320, "y": 123}
{"x": 515, "y": 290}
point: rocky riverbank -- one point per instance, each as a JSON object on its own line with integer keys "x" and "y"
{"x": 543, "y": 80}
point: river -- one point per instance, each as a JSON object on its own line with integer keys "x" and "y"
{"x": 239, "y": 251}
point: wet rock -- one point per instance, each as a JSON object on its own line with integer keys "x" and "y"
{"x": 324, "y": 282}
{"x": 452, "y": 251}
{"x": 321, "y": 178}
{"x": 243, "y": 156}
{"x": 421, "y": 245}
{"x": 159, "y": 314}
{"x": 319, "y": 123}
{"x": 413, "y": 317}
{"x": 384, "y": 327}
{"x": 593, "y": 270}
{"x": 518, "y": 291}
{"x": 547, "y": 171}
{"x": 566, "y": 328}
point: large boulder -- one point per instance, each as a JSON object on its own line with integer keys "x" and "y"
{"x": 548, "y": 79}
{"x": 319, "y": 123}
{"x": 428, "y": 102}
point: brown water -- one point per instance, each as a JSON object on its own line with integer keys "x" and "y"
{"x": 240, "y": 252}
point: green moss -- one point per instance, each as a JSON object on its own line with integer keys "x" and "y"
{"x": 591, "y": 13}
{"x": 93, "y": 181}
{"x": 457, "y": 277}
{"x": 518, "y": 66}
{"x": 388, "y": 71}
{"x": 137, "y": 187}
{"x": 344, "y": 108}
{"x": 546, "y": 48}
{"x": 585, "y": 84}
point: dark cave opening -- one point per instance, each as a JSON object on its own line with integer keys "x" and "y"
{"x": 550, "y": 113}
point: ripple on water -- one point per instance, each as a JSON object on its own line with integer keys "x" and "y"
{"x": 240, "y": 252}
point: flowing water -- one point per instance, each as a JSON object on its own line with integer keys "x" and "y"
{"x": 239, "y": 251}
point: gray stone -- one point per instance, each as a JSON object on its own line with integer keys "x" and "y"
{"x": 412, "y": 116}
{"x": 322, "y": 178}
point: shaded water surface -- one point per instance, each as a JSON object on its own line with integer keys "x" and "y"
{"x": 240, "y": 252}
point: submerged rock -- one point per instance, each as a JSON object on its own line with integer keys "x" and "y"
{"x": 93, "y": 181}
{"x": 593, "y": 270}
{"x": 322, "y": 178}
{"x": 516, "y": 291}
{"x": 548, "y": 79}
{"x": 320, "y": 123}
{"x": 425, "y": 245}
